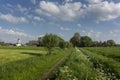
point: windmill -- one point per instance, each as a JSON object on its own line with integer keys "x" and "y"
{"x": 18, "y": 42}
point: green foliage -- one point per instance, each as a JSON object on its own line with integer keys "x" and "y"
{"x": 85, "y": 41}
{"x": 111, "y": 52}
{"x": 77, "y": 67}
{"x": 65, "y": 73}
{"x": 40, "y": 41}
{"x": 32, "y": 43}
{"x": 75, "y": 40}
{"x": 87, "y": 65}
{"x": 111, "y": 42}
{"x": 110, "y": 67}
{"x": 62, "y": 44}
{"x": 2, "y": 43}
{"x": 50, "y": 41}
{"x": 108, "y": 43}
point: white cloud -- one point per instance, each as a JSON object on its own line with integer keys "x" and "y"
{"x": 37, "y": 18}
{"x": 18, "y": 7}
{"x": 92, "y": 33}
{"x": 12, "y": 32}
{"x": 98, "y": 10}
{"x": 65, "y": 28}
{"x": 68, "y": 0}
{"x": 33, "y": 1}
{"x": 65, "y": 12}
{"x": 113, "y": 33}
{"x": 79, "y": 25}
{"x": 21, "y": 9}
{"x": 9, "y": 7}
{"x": 49, "y": 7}
{"x": 104, "y": 11}
{"x": 94, "y": 1}
{"x": 103, "y": 36}
{"x": 54, "y": 24}
{"x": 98, "y": 34}
{"x": 12, "y": 19}
{"x": 10, "y": 35}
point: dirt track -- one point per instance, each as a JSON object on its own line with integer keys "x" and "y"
{"x": 47, "y": 74}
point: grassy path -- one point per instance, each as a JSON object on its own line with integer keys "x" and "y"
{"x": 76, "y": 67}
{"x": 100, "y": 73}
{"x": 48, "y": 73}
{"x": 85, "y": 65}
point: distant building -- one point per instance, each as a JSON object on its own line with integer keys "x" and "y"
{"x": 18, "y": 42}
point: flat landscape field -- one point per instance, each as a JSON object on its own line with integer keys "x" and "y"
{"x": 33, "y": 63}
{"x": 26, "y": 63}
{"x": 101, "y": 63}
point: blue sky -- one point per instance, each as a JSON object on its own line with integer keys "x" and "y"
{"x": 30, "y": 19}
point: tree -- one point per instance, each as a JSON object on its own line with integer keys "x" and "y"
{"x": 40, "y": 41}
{"x": 111, "y": 43}
{"x": 85, "y": 41}
{"x": 2, "y": 43}
{"x": 32, "y": 43}
{"x": 50, "y": 41}
{"x": 75, "y": 40}
{"x": 104, "y": 44}
{"x": 62, "y": 44}
{"x": 68, "y": 45}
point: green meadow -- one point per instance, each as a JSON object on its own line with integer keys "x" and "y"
{"x": 26, "y": 63}
{"x": 33, "y": 63}
{"x": 91, "y": 63}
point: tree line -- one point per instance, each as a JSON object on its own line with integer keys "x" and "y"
{"x": 52, "y": 40}
{"x": 86, "y": 41}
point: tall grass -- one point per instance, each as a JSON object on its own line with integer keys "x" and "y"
{"x": 111, "y": 52}
{"x": 77, "y": 67}
{"x": 30, "y": 68}
{"x": 110, "y": 66}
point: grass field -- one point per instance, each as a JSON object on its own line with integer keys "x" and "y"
{"x": 31, "y": 63}
{"x": 26, "y": 63}
{"x": 14, "y": 54}
{"x": 111, "y": 52}
{"x": 90, "y": 64}
{"x": 106, "y": 66}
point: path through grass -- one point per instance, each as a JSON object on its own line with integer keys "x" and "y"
{"x": 27, "y": 64}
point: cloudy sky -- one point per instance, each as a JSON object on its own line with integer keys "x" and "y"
{"x": 30, "y": 19}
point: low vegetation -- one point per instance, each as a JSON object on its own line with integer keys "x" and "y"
{"x": 108, "y": 66}
{"x": 111, "y": 52}
{"x": 86, "y": 65}
{"x": 25, "y": 64}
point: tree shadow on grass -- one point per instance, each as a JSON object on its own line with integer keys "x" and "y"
{"x": 32, "y": 53}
